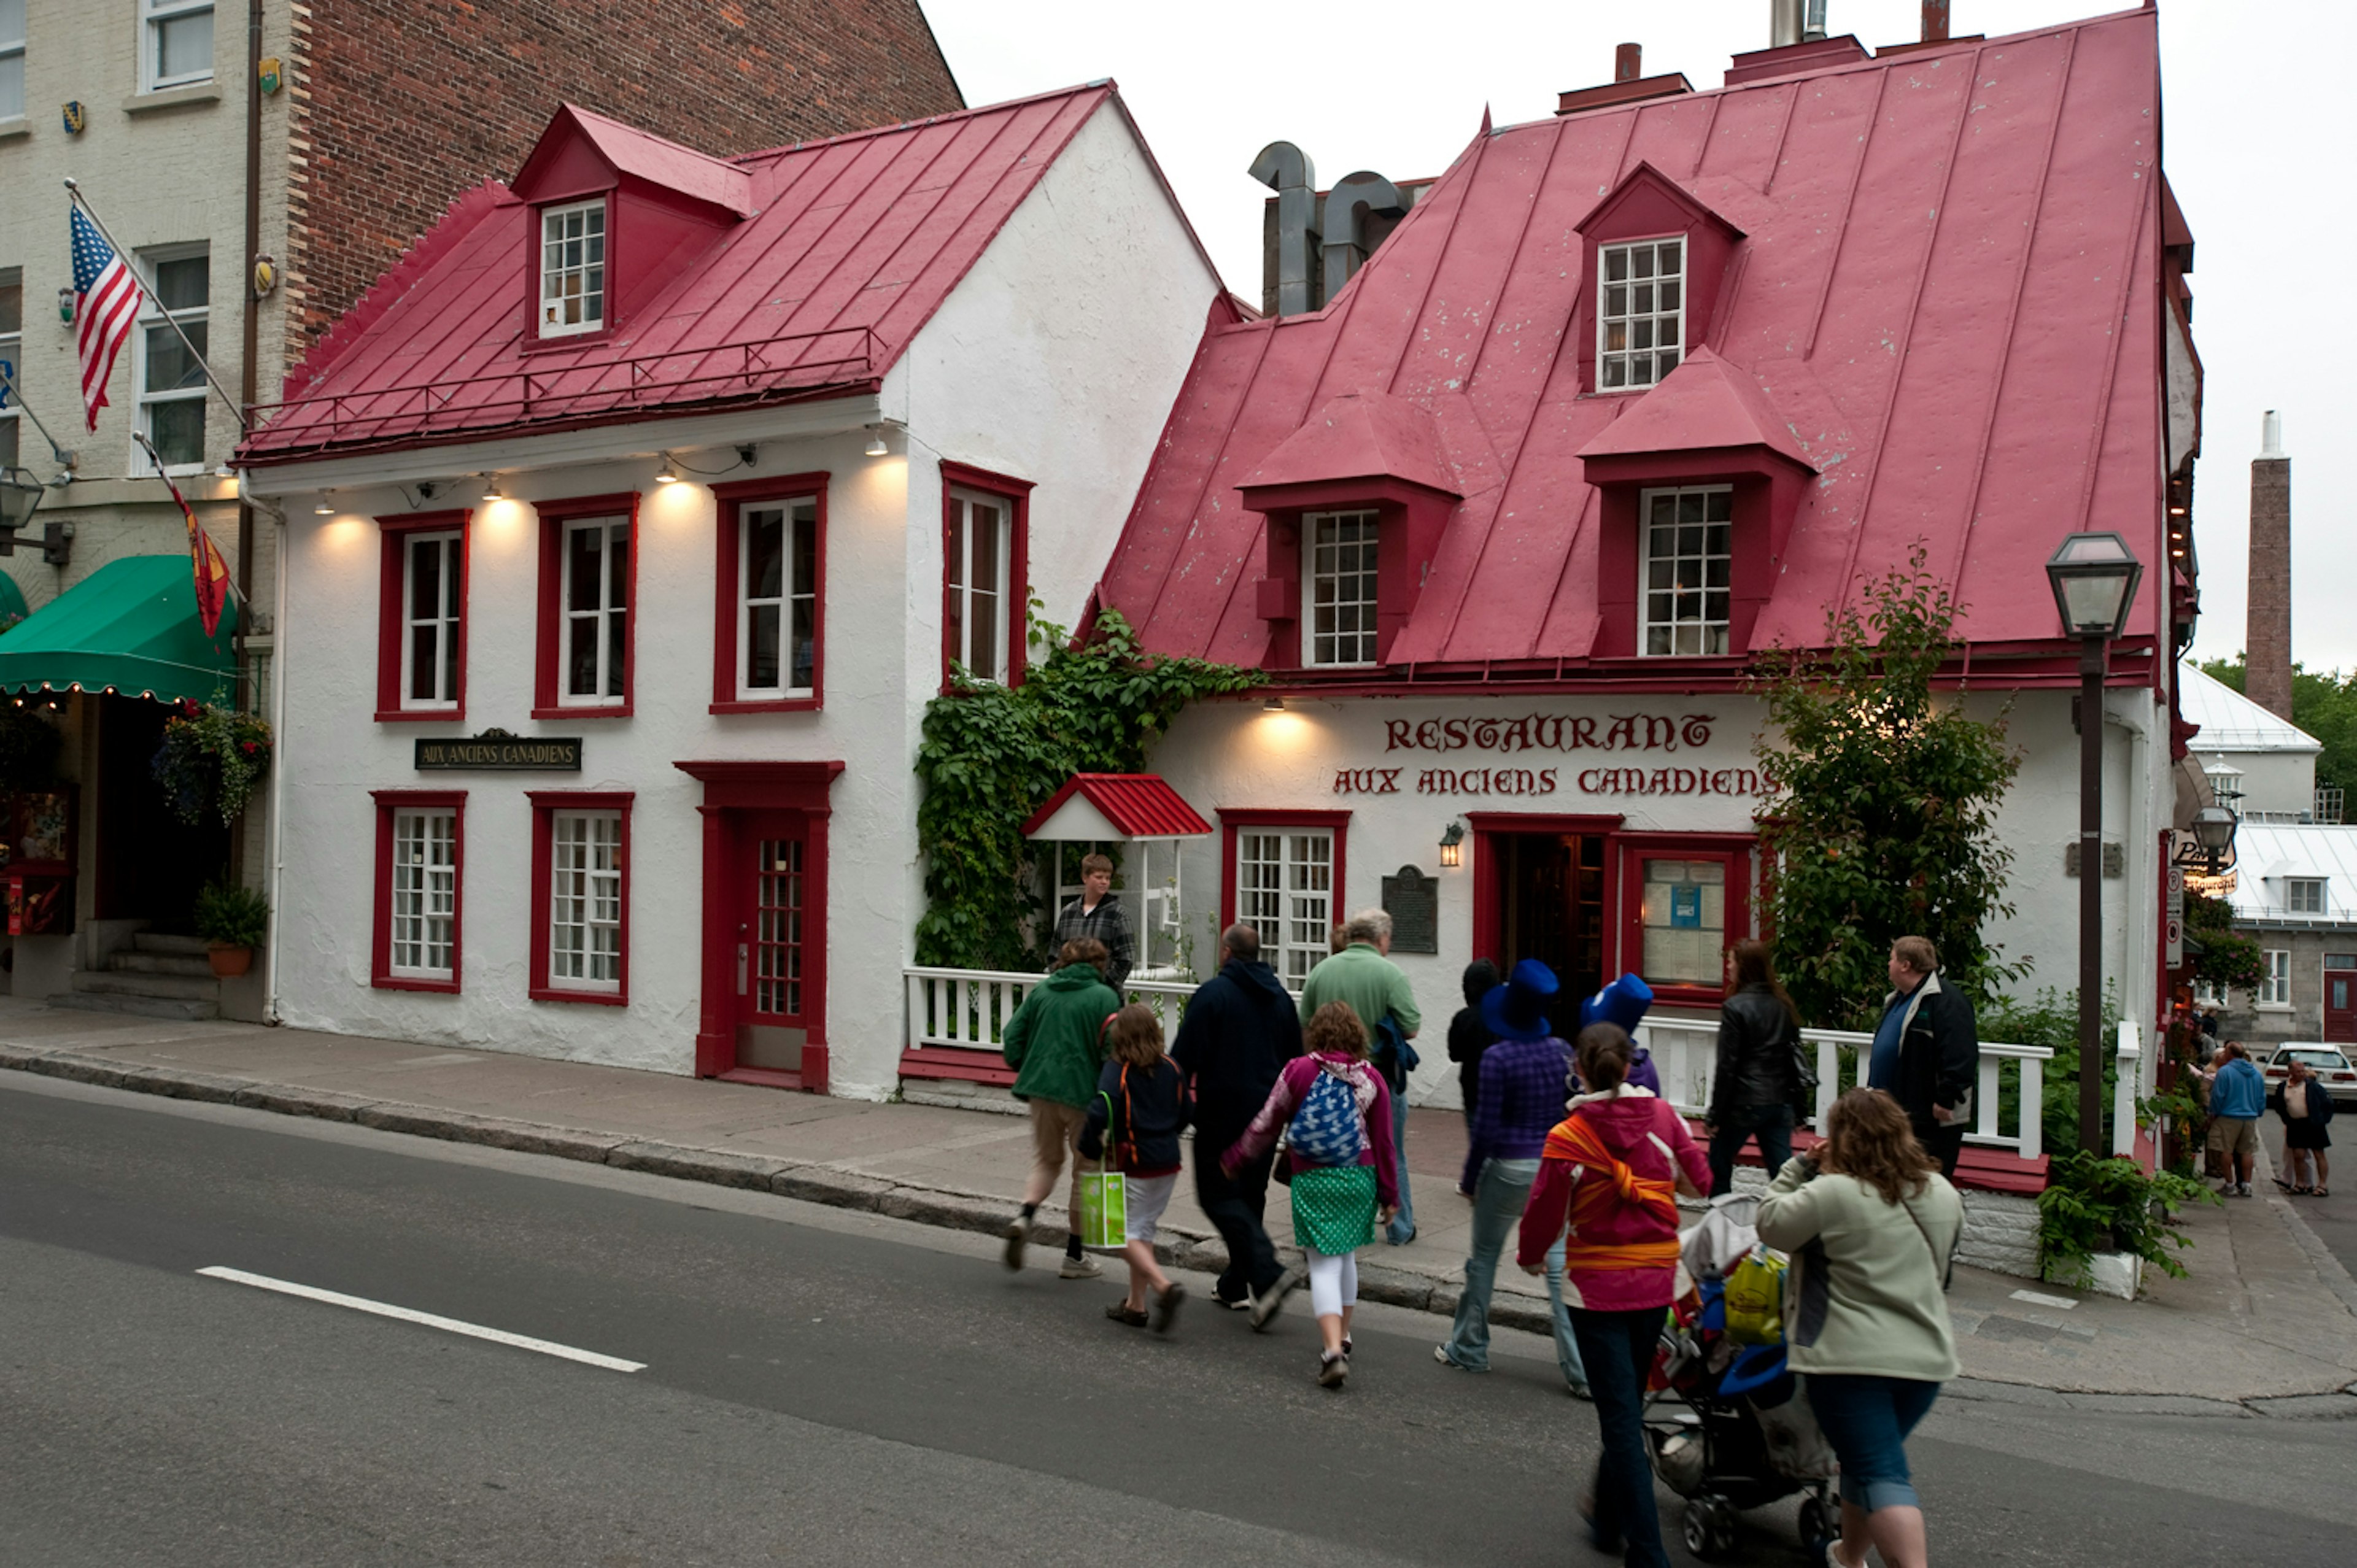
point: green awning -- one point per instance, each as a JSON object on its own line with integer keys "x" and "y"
{"x": 12, "y": 601}
{"x": 131, "y": 625}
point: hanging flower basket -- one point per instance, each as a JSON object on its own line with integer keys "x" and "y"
{"x": 210, "y": 760}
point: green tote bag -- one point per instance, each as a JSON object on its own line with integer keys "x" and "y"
{"x": 1105, "y": 1198}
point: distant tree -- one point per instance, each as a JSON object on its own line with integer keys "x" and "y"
{"x": 1881, "y": 820}
{"x": 2325, "y": 706}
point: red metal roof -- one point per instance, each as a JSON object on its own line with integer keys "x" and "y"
{"x": 1945, "y": 304}
{"x": 1140, "y": 804}
{"x": 852, "y": 244}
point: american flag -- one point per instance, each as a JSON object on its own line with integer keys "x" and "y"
{"x": 106, "y": 307}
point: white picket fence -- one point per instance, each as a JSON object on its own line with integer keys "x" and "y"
{"x": 967, "y": 1009}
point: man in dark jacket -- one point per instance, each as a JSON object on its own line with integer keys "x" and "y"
{"x": 1239, "y": 1029}
{"x": 1927, "y": 1051}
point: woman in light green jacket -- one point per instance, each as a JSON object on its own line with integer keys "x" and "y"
{"x": 1872, "y": 1226}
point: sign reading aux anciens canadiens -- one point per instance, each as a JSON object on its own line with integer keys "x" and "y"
{"x": 496, "y": 751}
{"x": 1625, "y": 739}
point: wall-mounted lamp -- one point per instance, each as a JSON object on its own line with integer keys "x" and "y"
{"x": 1452, "y": 844}
{"x": 1274, "y": 705}
{"x": 491, "y": 491}
{"x": 323, "y": 509}
{"x": 877, "y": 447}
{"x": 667, "y": 471}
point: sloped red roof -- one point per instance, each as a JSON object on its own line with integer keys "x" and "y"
{"x": 1945, "y": 304}
{"x": 1140, "y": 804}
{"x": 1704, "y": 404}
{"x": 1360, "y": 435}
{"x": 852, "y": 244}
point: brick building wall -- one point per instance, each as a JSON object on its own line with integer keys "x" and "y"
{"x": 401, "y": 104}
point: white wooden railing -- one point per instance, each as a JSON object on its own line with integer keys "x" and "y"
{"x": 968, "y": 1009}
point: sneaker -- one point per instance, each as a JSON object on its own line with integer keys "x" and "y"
{"x": 1166, "y": 1307}
{"x": 1081, "y": 1268}
{"x": 1440, "y": 1354}
{"x": 2242, "y": 1189}
{"x": 1123, "y": 1313}
{"x": 1239, "y": 1304}
{"x": 1264, "y": 1305}
{"x": 1332, "y": 1368}
{"x": 1017, "y": 1233}
{"x": 1578, "y": 1390}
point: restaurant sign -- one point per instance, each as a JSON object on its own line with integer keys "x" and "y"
{"x": 1625, "y": 738}
{"x": 496, "y": 751}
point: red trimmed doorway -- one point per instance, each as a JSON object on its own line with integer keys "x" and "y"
{"x": 763, "y": 1018}
{"x": 1544, "y": 887}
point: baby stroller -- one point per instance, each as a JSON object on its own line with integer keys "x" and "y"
{"x": 1729, "y": 1430}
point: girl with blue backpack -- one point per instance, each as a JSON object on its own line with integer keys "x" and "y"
{"x": 1336, "y": 1113}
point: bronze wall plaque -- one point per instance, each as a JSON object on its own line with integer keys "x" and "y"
{"x": 1412, "y": 901}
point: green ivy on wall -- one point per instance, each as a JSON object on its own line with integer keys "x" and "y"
{"x": 991, "y": 755}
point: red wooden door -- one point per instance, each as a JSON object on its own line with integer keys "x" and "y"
{"x": 2340, "y": 996}
{"x": 780, "y": 939}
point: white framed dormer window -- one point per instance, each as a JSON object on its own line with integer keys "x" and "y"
{"x": 176, "y": 43}
{"x": 573, "y": 268}
{"x": 171, "y": 380}
{"x": 1285, "y": 888}
{"x": 1337, "y": 589}
{"x": 2304, "y": 894}
{"x": 584, "y": 904}
{"x": 777, "y": 605}
{"x": 1640, "y": 311}
{"x": 12, "y": 60}
{"x": 433, "y": 593}
{"x": 2274, "y": 991}
{"x": 1687, "y": 562}
{"x": 594, "y": 626}
{"x": 12, "y": 340}
{"x": 980, "y": 542}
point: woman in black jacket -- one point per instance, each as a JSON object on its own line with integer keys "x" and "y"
{"x": 1757, "y": 1084}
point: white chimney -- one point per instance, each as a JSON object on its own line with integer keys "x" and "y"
{"x": 2271, "y": 436}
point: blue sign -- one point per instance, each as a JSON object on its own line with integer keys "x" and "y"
{"x": 1685, "y": 906}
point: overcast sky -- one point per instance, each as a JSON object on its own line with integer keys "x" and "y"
{"x": 2253, "y": 147}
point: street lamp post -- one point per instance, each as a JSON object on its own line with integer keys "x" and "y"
{"x": 2095, "y": 580}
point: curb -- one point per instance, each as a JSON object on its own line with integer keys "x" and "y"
{"x": 2341, "y": 1406}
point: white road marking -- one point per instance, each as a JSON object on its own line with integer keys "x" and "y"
{"x": 381, "y": 1309}
{"x": 2035, "y": 1299}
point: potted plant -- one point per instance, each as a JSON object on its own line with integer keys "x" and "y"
{"x": 232, "y": 919}
{"x": 2102, "y": 1221}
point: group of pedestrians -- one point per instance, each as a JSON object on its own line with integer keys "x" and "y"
{"x": 2237, "y": 1096}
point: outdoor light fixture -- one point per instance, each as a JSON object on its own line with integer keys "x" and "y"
{"x": 1452, "y": 844}
{"x": 2094, "y": 577}
{"x": 20, "y": 493}
{"x": 323, "y": 509}
{"x": 490, "y": 489}
{"x": 1274, "y": 705}
{"x": 667, "y": 471}
{"x": 876, "y": 444}
{"x": 2212, "y": 853}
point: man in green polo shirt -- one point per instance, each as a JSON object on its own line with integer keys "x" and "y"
{"x": 1364, "y": 977}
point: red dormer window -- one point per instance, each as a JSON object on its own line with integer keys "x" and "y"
{"x": 1657, "y": 256}
{"x": 573, "y": 268}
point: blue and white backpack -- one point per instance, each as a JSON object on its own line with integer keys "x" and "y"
{"x": 1326, "y": 1129}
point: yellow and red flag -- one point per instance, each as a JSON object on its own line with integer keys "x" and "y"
{"x": 212, "y": 584}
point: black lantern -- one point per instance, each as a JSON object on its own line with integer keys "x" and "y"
{"x": 2212, "y": 849}
{"x": 1452, "y": 840}
{"x": 20, "y": 495}
{"x": 2094, "y": 578}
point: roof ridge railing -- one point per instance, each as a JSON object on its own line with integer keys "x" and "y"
{"x": 716, "y": 372}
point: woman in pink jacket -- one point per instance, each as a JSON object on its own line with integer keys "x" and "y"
{"x": 1607, "y": 1188}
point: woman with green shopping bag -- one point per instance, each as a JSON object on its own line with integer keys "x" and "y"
{"x": 1140, "y": 1108}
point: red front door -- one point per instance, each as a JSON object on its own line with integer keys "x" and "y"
{"x": 2340, "y": 996}
{"x": 777, "y": 940}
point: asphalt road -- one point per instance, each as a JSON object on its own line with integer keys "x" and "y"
{"x": 820, "y": 1386}
{"x": 2333, "y": 1217}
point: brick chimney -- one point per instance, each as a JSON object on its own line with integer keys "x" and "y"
{"x": 2267, "y": 637}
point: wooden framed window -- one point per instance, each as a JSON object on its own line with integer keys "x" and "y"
{"x": 1283, "y": 877}
{"x": 1640, "y": 311}
{"x": 1687, "y": 897}
{"x": 171, "y": 380}
{"x": 420, "y": 871}
{"x": 2304, "y": 894}
{"x": 573, "y": 268}
{"x": 588, "y": 562}
{"x": 1338, "y": 584}
{"x": 581, "y": 896}
{"x": 985, "y": 565}
{"x": 175, "y": 46}
{"x": 2275, "y": 988}
{"x": 769, "y": 608}
{"x": 1687, "y": 556}
{"x": 421, "y": 617}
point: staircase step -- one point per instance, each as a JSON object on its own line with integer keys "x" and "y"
{"x": 141, "y": 1006}
{"x": 159, "y": 964}
{"x": 176, "y": 987}
{"x": 156, "y": 942}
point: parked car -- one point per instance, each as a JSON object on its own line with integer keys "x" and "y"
{"x": 2328, "y": 1063}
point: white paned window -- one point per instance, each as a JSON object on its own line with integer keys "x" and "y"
{"x": 573, "y": 268}
{"x": 981, "y": 546}
{"x": 171, "y": 379}
{"x": 177, "y": 48}
{"x": 12, "y": 60}
{"x": 2304, "y": 894}
{"x": 1686, "y": 562}
{"x": 584, "y": 903}
{"x": 777, "y": 605}
{"x": 1641, "y": 312}
{"x": 1284, "y": 889}
{"x": 2205, "y": 994}
{"x": 1339, "y": 586}
{"x": 2274, "y": 991}
{"x": 12, "y": 322}
{"x": 595, "y": 630}
{"x": 432, "y": 592}
{"x": 425, "y": 893}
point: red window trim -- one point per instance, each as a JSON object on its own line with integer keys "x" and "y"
{"x": 1337, "y": 823}
{"x": 1487, "y": 827}
{"x": 546, "y": 804}
{"x": 1016, "y": 493}
{"x": 533, "y": 343}
{"x": 1630, "y": 850}
{"x": 554, "y": 516}
{"x": 388, "y": 802}
{"x": 733, "y": 497}
{"x": 392, "y": 571}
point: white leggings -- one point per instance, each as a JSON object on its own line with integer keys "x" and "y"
{"x": 1333, "y": 1282}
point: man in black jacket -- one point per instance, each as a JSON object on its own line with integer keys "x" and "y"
{"x": 1927, "y": 1051}
{"x": 1241, "y": 1028}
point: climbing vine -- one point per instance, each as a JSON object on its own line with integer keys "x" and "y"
{"x": 991, "y": 754}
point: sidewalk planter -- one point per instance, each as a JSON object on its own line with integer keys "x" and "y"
{"x": 2117, "y": 1274}
{"x": 234, "y": 920}
{"x": 229, "y": 960}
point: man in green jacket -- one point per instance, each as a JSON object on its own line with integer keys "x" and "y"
{"x": 1363, "y": 975}
{"x": 1056, "y": 1044}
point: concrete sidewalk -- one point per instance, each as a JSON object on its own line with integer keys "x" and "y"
{"x": 2266, "y": 1322}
